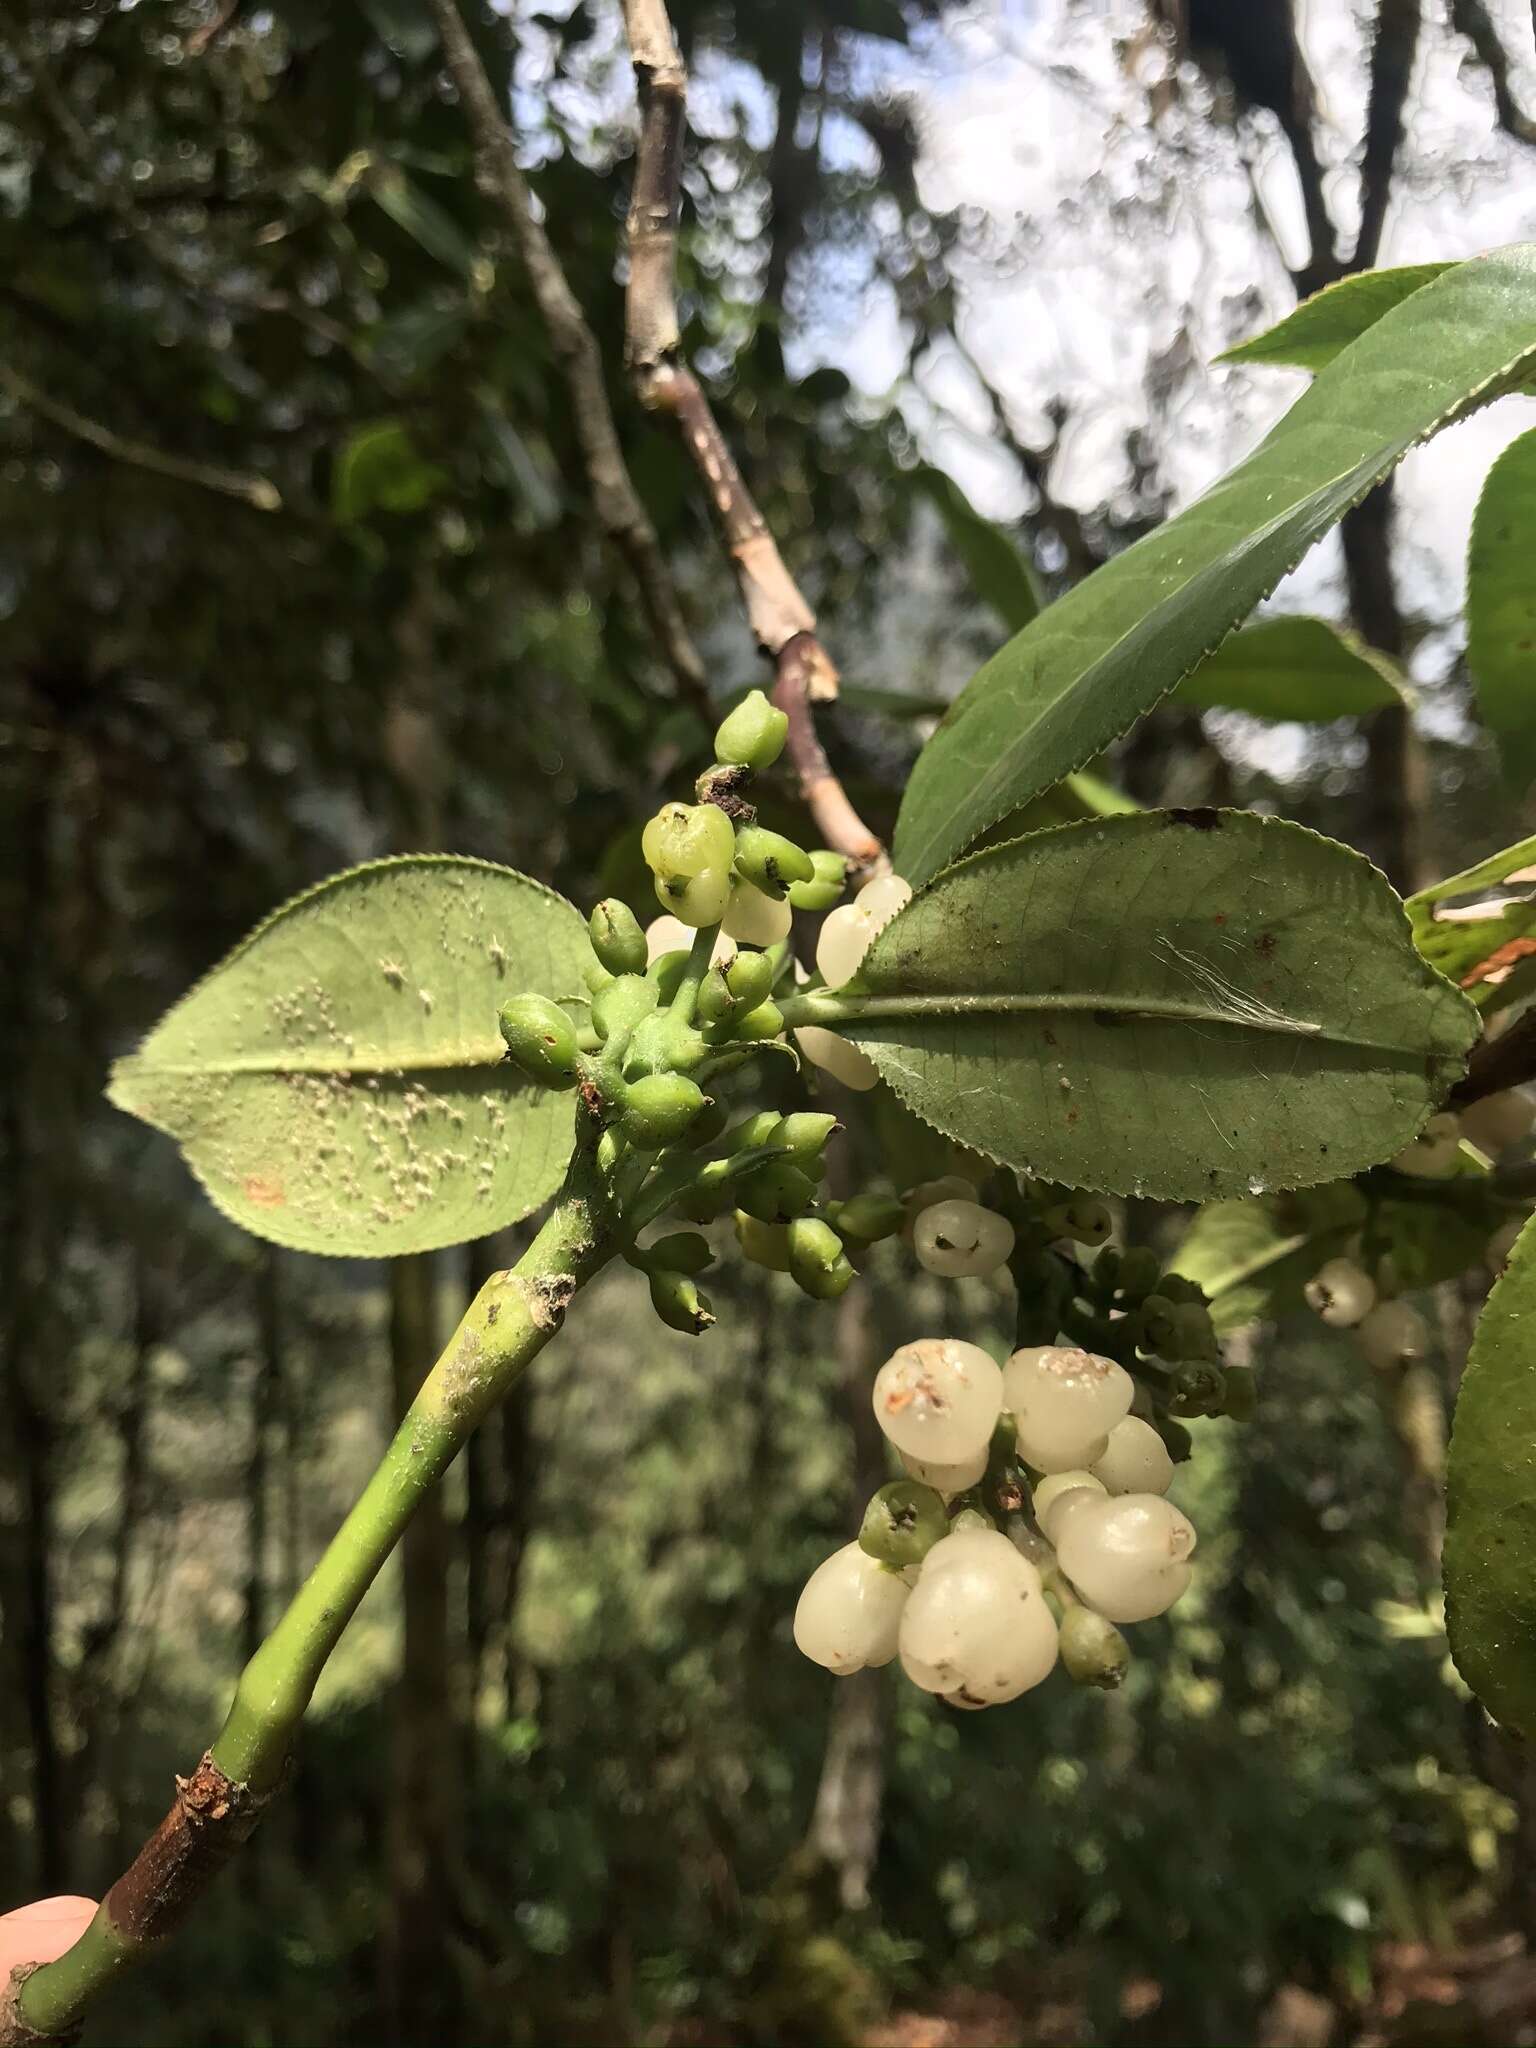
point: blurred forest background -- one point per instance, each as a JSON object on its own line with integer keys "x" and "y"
{"x": 298, "y": 565}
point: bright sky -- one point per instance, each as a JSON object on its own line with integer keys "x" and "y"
{"x": 1109, "y": 259}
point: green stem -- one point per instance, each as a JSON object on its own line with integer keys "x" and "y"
{"x": 686, "y": 995}
{"x": 510, "y": 1320}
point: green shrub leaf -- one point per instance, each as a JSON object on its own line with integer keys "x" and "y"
{"x": 1096, "y": 659}
{"x": 1478, "y": 928}
{"x": 1501, "y": 608}
{"x": 1490, "y": 1541}
{"x": 1254, "y": 1257}
{"x": 337, "y": 1083}
{"x": 1320, "y": 327}
{"x": 1294, "y": 668}
{"x": 1185, "y": 1004}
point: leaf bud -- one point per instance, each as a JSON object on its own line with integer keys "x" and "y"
{"x": 805, "y": 1132}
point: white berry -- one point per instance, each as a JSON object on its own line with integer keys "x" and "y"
{"x": 671, "y": 935}
{"x": 838, "y": 1057}
{"x": 1128, "y": 1557}
{"x": 939, "y": 1398}
{"x": 1135, "y": 1460}
{"x": 755, "y": 918}
{"x": 850, "y": 1611}
{"x": 1059, "y": 1496}
{"x": 957, "y": 1239}
{"x": 947, "y": 1479}
{"x": 846, "y": 935}
{"x": 1393, "y": 1334}
{"x": 977, "y": 1628}
{"x": 1498, "y": 1121}
{"x": 882, "y": 898}
{"x": 1341, "y": 1292}
{"x": 1432, "y": 1154}
{"x": 1064, "y": 1403}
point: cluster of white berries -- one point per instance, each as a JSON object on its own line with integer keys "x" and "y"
{"x": 963, "y": 1604}
{"x": 1347, "y": 1296}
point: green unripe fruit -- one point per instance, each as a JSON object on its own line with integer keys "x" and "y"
{"x": 1175, "y": 1287}
{"x": 749, "y": 978}
{"x": 1176, "y": 1437}
{"x": 829, "y": 1285}
{"x": 679, "y": 1304}
{"x": 1084, "y": 1219}
{"x": 1138, "y": 1273}
{"x": 715, "y": 1002}
{"x": 696, "y": 899}
{"x": 665, "y": 973}
{"x": 659, "y": 1108}
{"x": 710, "y": 1122}
{"x": 1093, "y": 1651}
{"x": 683, "y": 1252}
{"x": 776, "y": 1193}
{"x": 1196, "y": 1332}
{"x": 752, "y": 1131}
{"x": 1197, "y": 1388}
{"x": 753, "y": 735}
{"x": 684, "y": 840}
{"x": 902, "y": 1523}
{"x": 814, "y": 1246}
{"x": 617, "y": 939}
{"x": 829, "y": 878}
{"x": 1157, "y": 1324}
{"x": 765, "y": 1244}
{"x": 805, "y": 1133}
{"x": 1241, "y": 1392}
{"x": 540, "y": 1040}
{"x": 662, "y": 1044}
{"x": 595, "y": 975}
{"x": 626, "y": 1001}
{"x": 770, "y": 862}
{"x": 766, "y": 1021}
{"x": 868, "y": 1218}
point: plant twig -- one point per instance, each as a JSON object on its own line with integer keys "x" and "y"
{"x": 1498, "y": 1063}
{"x": 614, "y": 497}
{"x": 1472, "y": 19}
{"x": 231, "y": 483}
{"x": 781, "y": 620}
{"x": 218, "y": 1806}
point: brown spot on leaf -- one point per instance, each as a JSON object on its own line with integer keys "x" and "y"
{"x": 266, "y": 1194}
{"x": 1265, "y": 944}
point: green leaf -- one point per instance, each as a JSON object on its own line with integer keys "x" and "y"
{"x": 1100, "y": 656}
{"x": 337, "y": 1082}
{"x": 1490, "y": 1539}
{"x": 1436, "y": 1235}
{"x": 1478, "y": 928}
{"x": 1254, "y": 1257}
{"x": 1322, "y": 326}
{"x": 1501, "y": 607}
{"x": 1000, "y": 575}
{"x": 1184, "y": 1004}
{"x": 378, "y": 470}
{"x": 1294, "y": 668}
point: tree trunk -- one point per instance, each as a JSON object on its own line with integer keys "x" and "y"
{"x": 421, "y": 1989}
{"x": 845, "y": 1823}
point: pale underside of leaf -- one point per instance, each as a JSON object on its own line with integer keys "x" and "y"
{"x": 337, "y": 1083}
{"x": 1182, "y": 1005}
{"x": 1297, "y": 668}
{"x": 1082, "y": 673}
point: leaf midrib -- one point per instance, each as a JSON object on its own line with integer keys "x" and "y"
{"x": 852, "y": 1009}
{"x": 312, "y": 1063}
